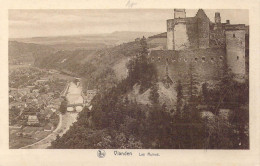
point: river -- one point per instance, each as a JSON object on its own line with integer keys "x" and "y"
{"x": 74, "y": 97}
{"x": 74, "y": 94}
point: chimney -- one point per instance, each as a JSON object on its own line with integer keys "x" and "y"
{"x": 227, "y": 22}
{"x": 217, "y": 18}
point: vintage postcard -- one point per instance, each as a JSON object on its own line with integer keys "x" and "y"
{"x": 131, "y": 83}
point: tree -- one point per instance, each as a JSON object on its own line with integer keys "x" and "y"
{"x": 205, "y": 92}
{"x": 179, "y": 98}
{"x": 63, "y": 106}
{"x": 140, "y": 71}
{"x": 187, "y": 125}
{"x": 133, "y": 143}
{"x": 232, "y": 95}
{"x": 159, "y": 127}
{"x": 120, "y": 140}
{"x": 144, "y": 47}
{"x": 154, "y": 95}
{"x": 193, "y": 84}
{"x": 239, "y": 120}
{"x": 55, "y": 143}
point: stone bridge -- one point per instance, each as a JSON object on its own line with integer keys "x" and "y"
{"x": 75, "y": 107}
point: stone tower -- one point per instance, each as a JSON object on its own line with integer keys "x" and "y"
{"x": 170, "y": 38}
{"x": 177, "y": 38}
{"x": 235, "y": 50}
{"x": 179, "y": 13}
{"x": 203, "y": 29}
{"x": 217, "y": 18}
{"x": 180, "y": 36}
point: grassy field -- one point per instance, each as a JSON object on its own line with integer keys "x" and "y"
{"x": 34, "y": 134}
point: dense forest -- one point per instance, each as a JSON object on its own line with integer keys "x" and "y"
{"x": 117, "y": 122}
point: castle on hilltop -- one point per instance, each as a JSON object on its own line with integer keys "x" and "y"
{"x": 207, "y": 46}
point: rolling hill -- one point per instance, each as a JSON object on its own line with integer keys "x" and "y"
{"x": 100, "y": 68}
{"x": 27, "y": 52}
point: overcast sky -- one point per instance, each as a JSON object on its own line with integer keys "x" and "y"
{"x": 33, "y": 23}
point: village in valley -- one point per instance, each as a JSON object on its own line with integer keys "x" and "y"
{"x": 38, "y": 100}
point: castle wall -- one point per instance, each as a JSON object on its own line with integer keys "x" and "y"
{"x": 170, "y": 44}
{"x": 203, "y": 33}
{"x": 180, "y": 36}
{"x": 170, "y": 41}
{"x": 207, "y": 63}
{"x": 217, "y": 36}
{"x": 186, "y": 34}
{"x": 192, "y": 29}
{"x": 235, "y": 48}
{"x": 205, "y": 45}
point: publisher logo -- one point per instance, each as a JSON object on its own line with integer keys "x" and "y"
{"x": 101, "y": 153}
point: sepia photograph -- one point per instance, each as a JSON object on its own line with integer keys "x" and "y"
{"x": 128, "y": 79}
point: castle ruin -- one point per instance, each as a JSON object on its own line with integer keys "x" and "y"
{"x": 207, "y": 46}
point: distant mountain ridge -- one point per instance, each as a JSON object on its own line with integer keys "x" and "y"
{"x": 88, "y": 41}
